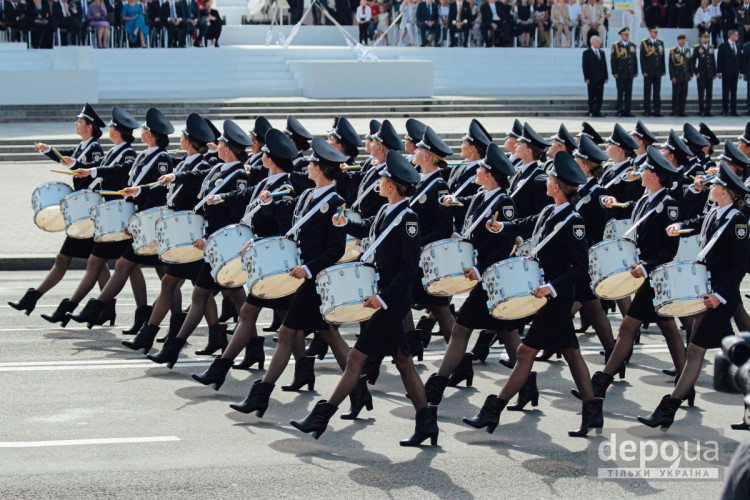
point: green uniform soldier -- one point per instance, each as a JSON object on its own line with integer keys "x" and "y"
{"x": 680, "y": 72}
{"x": 624, "y": 66}
{"x": 704, "y": 69}
{"x": 653, "y": 67}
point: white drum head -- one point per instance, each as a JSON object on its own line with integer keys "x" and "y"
{"x": 81, "y": 229}
{"x": 520, "y": 307}
{"x": 148, "y": 250}
{"x": 683, "y": 307}
{"x": 182, "y": 254}
{"x": 353, "y": 313}
{"x": 231, "y": 274}
{"x": 451, "y": 286}
{"x": 50, "y": 219}
{"x": 351, "y": 253}
{"x": 276, "y": 286}
{"x": 618, "y": 286}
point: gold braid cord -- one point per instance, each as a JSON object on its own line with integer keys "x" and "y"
{"x": 677, "y": 58}
{"x": 621, "y": 54}
{"x": 649, "y": 50}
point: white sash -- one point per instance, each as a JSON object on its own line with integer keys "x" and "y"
{"x": 715, "y": 237}
{"x": 99, "y": 180}
{"x": 635, "y": 225}
{"x": 216, "y": 188}
{"x": 310, "y": 213}
{"x": 418, "y": 195}
{"x": 364, "y": 194}
{"x": 481, "y": 217}
{"x": 520, "y": 185}
{"x": 463, "y": 186}
{"x": 558, "y": 227}
{"x": 81, "y": 155}
{"x": 618, "y": 177}
{"x": 144, "y": 170}
{"x": 382, "y": 236}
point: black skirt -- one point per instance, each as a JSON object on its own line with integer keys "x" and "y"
{"x": 422, "y": 298}
{"x": 206, "y": 281}
{"x": 76, "y": 248}
{"x": 280, "y": 304}
{"x": 188, "y": 271}
{"x": 474, "y": 314}
{"x": 304, "y": 309}
{"x": 384, "y": 333}
{"x": 552, "y": 326}
{"x": 715, "y": 324}
{"x": 110, "y": 250}
{"x": 584, "y": 292}
{"x": 642, "y": 307}
{"x": 143, "y": 260}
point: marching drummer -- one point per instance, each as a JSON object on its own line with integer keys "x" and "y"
{"x": 147, "y": 167}
{"x": 528, "y": 185}
{"x": 461, "y": 180}
{"x": 492, "y": 175}
{"x": 679, "y": 155}
{"x": 724, "y": 250}
{"x": 511, "y": 141}
{"x": 222, "y": 178}
{"x": 396, "y": 232}
{"x": 212, "y": 156}
{"x": 301, "y": 138}
{"x": 561, "y": 141}
{"x": 694, "y": 202}
{"x": 346, "y": 140}
{"x": 708, "y": 151}
{"x": 414, "y": 133}
{"x": 588, "y": 131}
{"x": 563, "y": 255}
{"x": 254, "y": 164}
{"x": 621, "y": 149}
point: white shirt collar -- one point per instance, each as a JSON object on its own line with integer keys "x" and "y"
{"x": 273, "y": 178}
{"x": 720, "y": 213}
{"x": 192, "y": 157}
{"x": 581, "y": 186}
{"x": 227, "y": 166}
{"x": 318, "y": 192}
{"x": 151, "y": 150}
{"x": 560, "y": 208}
{"x": 489, "y": 194}
{"x": 620, "y": 164}
{"x": 526, "y": 166}
{"x": 638, "y": 158}
{"x": 651, "y": 197}
{"x": 390, "y": 208}
{"x": 85, "y": 143}
{"x": 424, "y": 177}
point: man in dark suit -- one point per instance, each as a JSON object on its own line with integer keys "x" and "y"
{"x": 459, "y": 20}
{"x": 14, "y": 12}
{"x": 728, "y": 66}
{"x": 154, "y": 19}
{"x": 495, "y": 23}
{"x": 595, "y": 74}
{"x": 64, "y": 17}
{"x": 704, "y": 69}
{"x": 427, "y": 20}
{"x": 173, "y": 15}
{"x": 195, "y": 23}
{"x": 745, "y": 69}
{"x": 3, "y": 23}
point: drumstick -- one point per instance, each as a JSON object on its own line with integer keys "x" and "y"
{"x": 280, "y": 193}
{"x": 683, "y": 231}
{"x": 708, "y": 179}
{"x": 352, "y": 167}
{"x": 63, "y": 172}
{"x": 341, "y": 212}
{"x": 620, "y": 205}
{"x": 220, "y": 200}
{"x": 494, "y": 219}
{"x": 173, "y": 151}
{"x": 154, "y": 185}
{"x": 456, "y": 203}
{"x": 58, "y": 155}
{"x": 635, "y": 175}
{"x": 106, "y": 193}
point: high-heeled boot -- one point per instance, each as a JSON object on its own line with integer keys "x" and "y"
{"x": 489, "y": 414}
{"x": 743, "y": 425}
{"x": 464, "y": 371}
{"x": 169, "y": 353}
{"x": 109, "y": 313}
{"x": 217, "y": 339}
{"x": 275, "y": 323}
{"x": 547, "y": 354}
{"x": 257, "y": 400}
{"x": 304, "y": 374}
{"x": 318, "y": 347}
{"x": 215, "y": 374}
{"x": 254, "y": 353}
{"x": 426, "y": 427}
{"x": 27, "y": 302}
{"x": 591, "y": 419}
{"x": 175, "y": 323}
{"x": 142, "y": 315}
{"x": 664, "y": 414}
{"x": 359, "y": 398}
{"x": 601, "y": 382}
{"x": 371, "y": 370}
{"x": 317, "y": 421}
{"x": 228, "y": 311}
{"x": 425, "y": 325}
{"x": 481, "y": 348}
{"x": 621, "y": 369}
{"x": 690, "y": 396}
{"x": 414, "y": 338}
{"x": 528, "y": 394}
{"x": 144, "y": 340}
{"x": 434, "y": 388}
{"x": 89, "y": 314}
{"x": 61, "y": 313}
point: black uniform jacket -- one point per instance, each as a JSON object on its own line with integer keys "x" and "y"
{"x": 593, "y": 212}
{"x": 656, "y": 248}
{"x": 155, "y": 164}
{"x": 320, "y": 242}
{"x": 87, "y": 155}
{"x": 435, "y": 220}
{"x": 490, "y": 247}
{"x": 275, "y": 217}
{"x": 528, "y": 188}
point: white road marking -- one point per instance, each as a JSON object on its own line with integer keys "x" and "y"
{"x": 87, "y": 442}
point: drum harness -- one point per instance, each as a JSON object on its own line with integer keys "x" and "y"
{"x": 216, "y": 188}
{"x": 703, "y": 253}
{"x": 465, "y": 235}
{"x": 99, "y": 180}
{"x": 379, "y": 240}
{"x": 310, "y": 213}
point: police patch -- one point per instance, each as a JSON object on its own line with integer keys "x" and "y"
{"x": 579, "y": 231}
{"x": 672, "y": 213}
{"x": 509, "y": 212}
{"x": 163, "y": 167}
{"x": 412, "y": 228}
{"x": 96, "y": 156}
{"x": 740, "y": 230}
{"x": 242, "y": 184}
{"x": 324, "y": 208}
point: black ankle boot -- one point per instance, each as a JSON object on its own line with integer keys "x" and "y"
{"x": 507, "y": 363}
{"x": 27, "y": 302}
{"x": 664, "y": 414}
{"x": 434, "y": 388}
{"x": 275, "y": 323}
{"x": 144, "y": 340}
{"x": 547, "y": 354}
{"x": 591, "y": 419}
{"x": 482, "y": 347}
{"x": 585, "y": 323}
{"x": 317, "y": 421}
{"x": 175, "y": 323}
{"x": 464, "y": 371}
{"x": 425, "y": 325}
{"x": 670, "y": 371}
{"x": 142, "y": 315}
{"x": 215, "y": 374}
{"x": 371, "y": 370}
{"x": 414, "y": 338}
{"x": 109, "y": 313}
{"x": 359, "y": 398}
{"x": 257, "y": 400}
{"x": 528, "y": 394}
{"x": 489, "y": 414}
{"x": 426, "y": 427}
{"x": 318, "y": 347}
{"x": 254, "y": 353}
{"x": 217, "y": 339}
{"x": 425, "y": 337}
{"x": 169, "y": 353}
{"x": 90, "y": 313}
{"x": 61, "y": 313}
{"x": 228, "y": 311}
{"x": 304, "y": 374}
{"x": 601, "y": 382}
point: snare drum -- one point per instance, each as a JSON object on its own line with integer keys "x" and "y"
{"x": 45, "y": 200}
{"x": 343, "y": 289}
{"x": 688, "y": 248}
{"x": 615, "y": 228}
{"x": 524, "y": 248}
{"x": 353, "y": 250}
{"x": 609, "y": 269}
{"x": 143, "y": 228}
{"x": 111, "y": 220}
{"x": 176, "y": 234}
{"x": 76, "y": 210}
{"x": 223, "y": 254}
{"x": 510, "y": 286}
{"x": 679, "y": 288}
{"x": 443, "y": 263}
{"x": 268, "y": 263}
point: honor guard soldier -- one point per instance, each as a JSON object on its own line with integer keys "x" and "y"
{"x": 301, "y": 139}
{"x": 624, "y": 65}
{"x": 704, "y": 69}
{"x": 680, "y": 73}
{"x": 653, "y": 67}
{"x": 528, "y": 187}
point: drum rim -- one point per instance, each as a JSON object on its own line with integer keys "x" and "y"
{"x": 660, "y": 305}
{"x": 673, "y": 263}
{"x": 520, "y": 257}
{"x": 175, "y": 247}
{"x": 266, "y": 276}
{"x": 345, "y": 304}
{"x": 441, "y": 242}
{"x": 598, "y": 282}
{"x": 540, "y": 301}
{"x": 214, "y": 272}
{"x": 612, "y": 240}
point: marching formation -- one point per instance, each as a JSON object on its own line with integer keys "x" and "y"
{"x": 534, "y": 231}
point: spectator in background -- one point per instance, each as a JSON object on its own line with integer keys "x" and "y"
{"x": 655, "y": 12}
{"x": 560, "y": 19}
{"x": 427, "y": 21}
{"x": 63, "y": 15}
{"x": 408, "y": 10}
{"x": 39, "y": 22}
{"x": 743, "y": 21}
{"x": 15, "y": 14}
{"x": 541, "y": 18}
{"x": 702, "y": 18}
{"x": 296, "y": 9}
{"x": 173, "y": 13}
{"x": 213, "y": 32}
{"x": 155, "y": 21}
{"x": 525, "y": 26}
{"x": 476, "y": 25}
{"x": 196, "y": 23}
{"x": 375, "y": 8}
{"x": 678, "y": 15}
{"x": 491, "y": 23}
{"x": 594, "y": 62}
{"x": 97, "y": 20}
{"x": 728, "y": 17}
{"x": 364, "y": 15}
{"x": 460, "y": 19}
{"x": 384, "y": 21}
{"x": 715, "y": 27}
{"x": 728, "y": 67}
{"x": 592, "y": 21}
{"x": 575, "y": 12}
{"x": 135, "y": 24}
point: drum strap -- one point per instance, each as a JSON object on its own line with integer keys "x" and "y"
{"x": 144, "y": 170}
{"x": 463, "y": 186}
{"x": 99, "y": 180}
{"x": 717, "y": 234}
{"x": 425, "y": 190}
{"x": 83, "y": 153}
{"x": 216, "y": 188}
{"x": 481, "y": 216}
{"x": 558, "y": 227}
{"x": 618, "y": 177}
{"x": 365, "y": 192}
{"x": 382, "y": 236}
{"x": 521, "y": 183}
{"x": 636, "y": 223}
{"x": 309, "y": 214}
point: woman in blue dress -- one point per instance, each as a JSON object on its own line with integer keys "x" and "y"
{"x": 135, "y": 24}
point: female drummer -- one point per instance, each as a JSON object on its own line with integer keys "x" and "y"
{"x": 194, "y": 140}
{"x": 267, "y": 217}
{"x": 111, "y": 173}
{"x": 345, "y": 139}
{"x": 321, "y": 245}
{"x": 148, "y": 166}
{"x": 396, "y": 260}
{"x": 724, "y": 250}
{"x": 652, "y": 214}
{"x": 563, "y": 255}
{"x": 492, "y": 175}
{"x": 527, "y": 186}
{"x": 222, "y": 178}
{"x": 88, "y": 126}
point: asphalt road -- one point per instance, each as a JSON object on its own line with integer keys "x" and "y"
{"x": 83, "y": 417}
